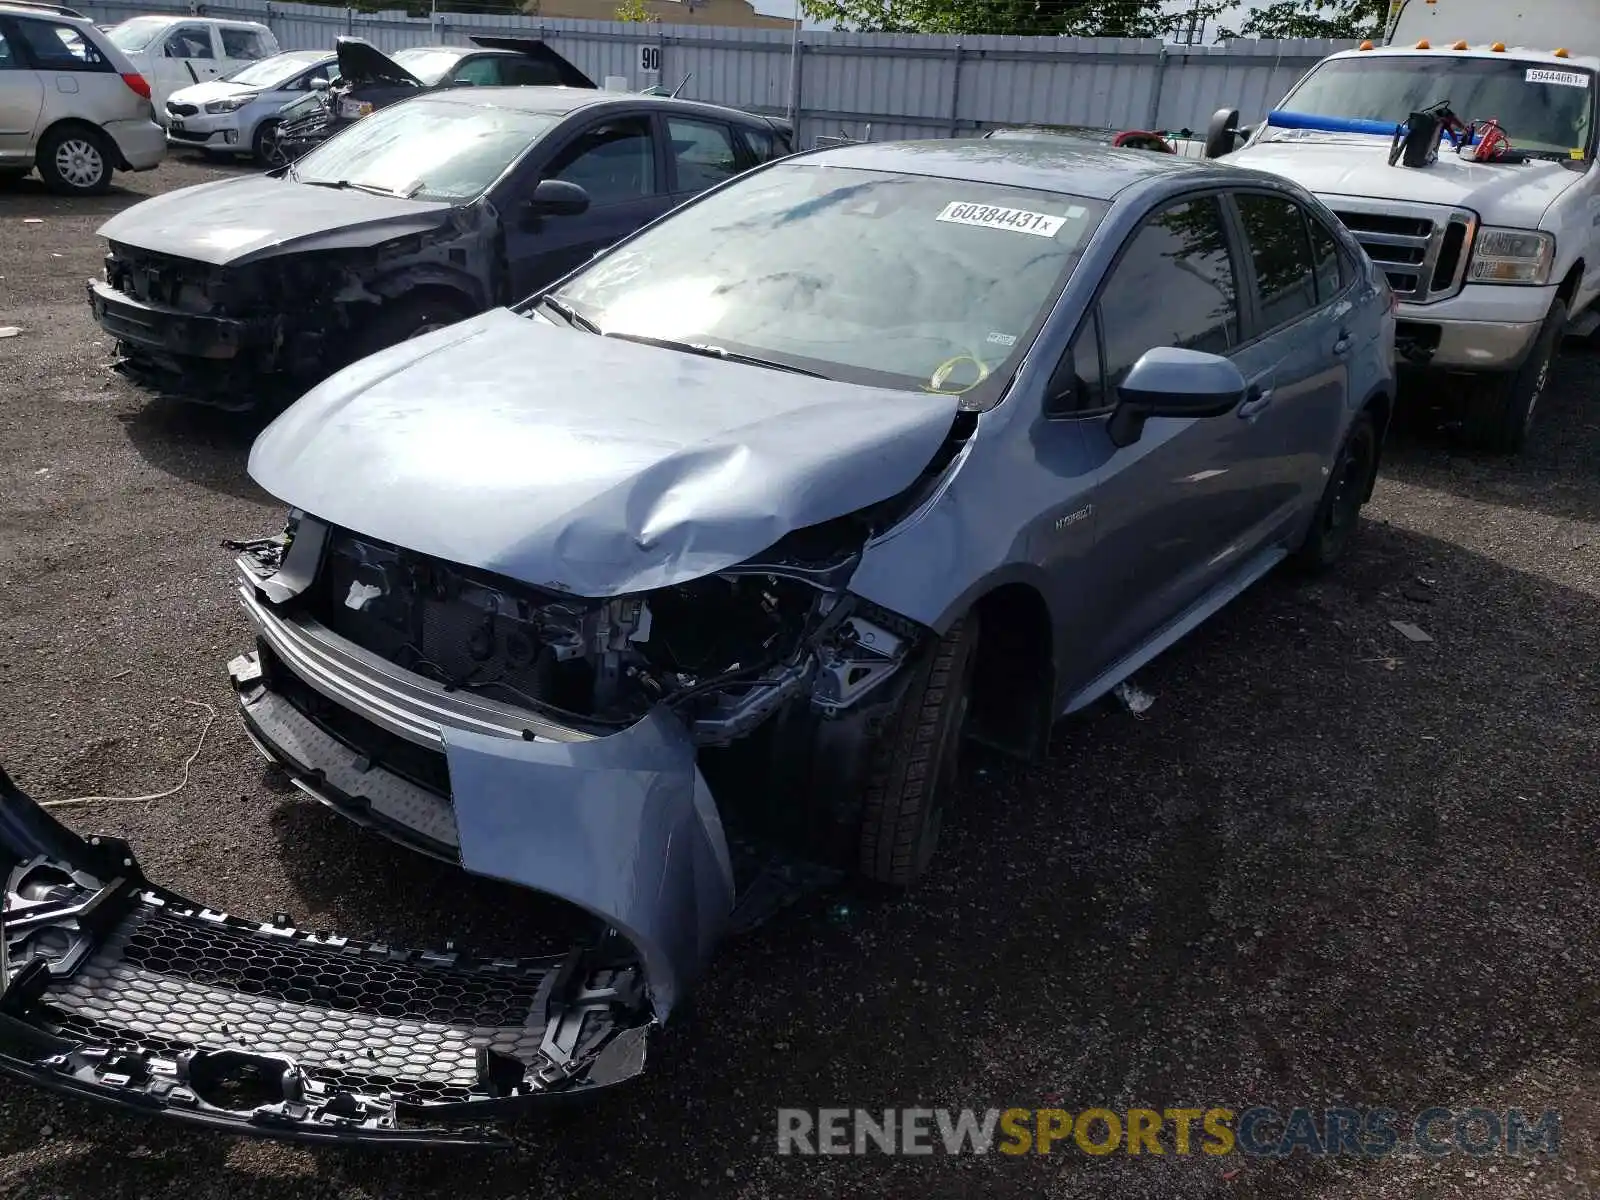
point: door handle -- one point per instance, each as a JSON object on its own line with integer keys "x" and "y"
{"x": 1255, "y": 400}
{"x": 1342, "y": 346}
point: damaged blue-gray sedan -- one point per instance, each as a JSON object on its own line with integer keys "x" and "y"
{"x": 873, "y": 452}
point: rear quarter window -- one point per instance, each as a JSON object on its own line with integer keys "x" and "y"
{"x": 764, "y": 144}
{"x": 54, "y": 47}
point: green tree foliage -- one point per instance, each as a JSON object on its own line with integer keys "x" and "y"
{"x": 1341, "y": 19}
{"x": 1037, "y": 18}
{"x": 633, "y": 10}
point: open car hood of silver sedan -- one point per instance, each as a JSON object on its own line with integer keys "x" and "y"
{"x": 586, "y": 464}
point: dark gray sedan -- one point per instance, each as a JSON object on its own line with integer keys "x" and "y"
{"x": 420, "y": 215}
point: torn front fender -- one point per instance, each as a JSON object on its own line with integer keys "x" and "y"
{"x": 115, "y": 989}
{"x": 622, "y": 826}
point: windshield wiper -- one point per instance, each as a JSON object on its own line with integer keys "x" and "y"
{"x": 569, "y": 314}
{"x": 343, "y": 184}
{"x": 708, "y": 351}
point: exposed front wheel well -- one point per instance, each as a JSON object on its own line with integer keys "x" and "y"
{"x": 1568, "y": 291}
{"x": 1013, "y": 686}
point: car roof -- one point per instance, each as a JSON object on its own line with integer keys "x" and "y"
{"x": 1064, "y": 164}
{"x": 49, "y": 12}
{"x": 560, "y": 101}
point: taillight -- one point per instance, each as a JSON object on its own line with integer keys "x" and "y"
{"x": 138, "y": 83}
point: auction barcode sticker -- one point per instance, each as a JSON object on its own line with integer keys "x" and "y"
{"x": 1564, "y": 78}
{"x": 989, "y": 216}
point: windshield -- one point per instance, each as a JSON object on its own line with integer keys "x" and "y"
{"x": 427, "y": 63}
{"x": 136, "y": 33}
{"x": 426, "y": 148}
{"x": 900, "y": 280}
{"x": 271, "y": 72}
{"x": 1539, "y": 108}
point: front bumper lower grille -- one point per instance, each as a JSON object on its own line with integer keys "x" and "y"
{"x": 118, "y": 990}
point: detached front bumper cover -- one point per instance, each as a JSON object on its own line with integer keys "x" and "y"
{"x": 118, "y": 990}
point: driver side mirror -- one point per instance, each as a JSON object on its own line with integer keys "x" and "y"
{"x": 1173, "y": 382}
{"x": 1223, "y": 134}
{"x": 319, "y": 84}
{"x": 557, "y": 198}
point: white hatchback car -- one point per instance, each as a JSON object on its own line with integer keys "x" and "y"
{"x": 238, "y": 114}
{"x": 71, "y": 104}
{"x": 179, "y": 51}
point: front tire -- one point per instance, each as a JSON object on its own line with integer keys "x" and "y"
{"x": 265, "y": 148}
{"x": 1339, "y": 510}
{"x": 75, "y": 161}
{"x": 1501, "y": 408}
{"x": 407, "y": 318}
{"x": 912, "y": 772}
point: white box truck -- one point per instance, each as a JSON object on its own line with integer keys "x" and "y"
{"x": 1461, "y": 154}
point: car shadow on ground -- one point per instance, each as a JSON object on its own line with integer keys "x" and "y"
{"x": 1563, "y": 448}
{"x": 21, "y": 199}
{"x": 1328, "y": 866}
{"x": 196, "y": 443}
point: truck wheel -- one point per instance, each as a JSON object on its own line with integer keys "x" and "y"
{"x": 1340, "y": 507}
{"x": 1500, "y": 408}
{"x": 912, "y": 772}
{"x": 75, "y": 161}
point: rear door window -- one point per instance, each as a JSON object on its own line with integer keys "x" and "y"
{"x": 54, "y": 47}
{"x": 702, "y": 153}
{"x": 244, "y": 44}
{"x": 1279, "y": 245}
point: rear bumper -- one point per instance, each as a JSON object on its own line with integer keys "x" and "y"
{"x": 143, "y": 144}
{"x": 117, "y": 990}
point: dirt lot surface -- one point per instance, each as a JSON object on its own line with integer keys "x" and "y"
{"x": 1329, "y": 866}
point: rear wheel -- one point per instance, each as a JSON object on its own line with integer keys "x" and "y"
{"x": 912, "y": 773}
{"x": 1501, "y": 408}
{"x": 75, "y": 161}
{"x": 1339, "y": 510}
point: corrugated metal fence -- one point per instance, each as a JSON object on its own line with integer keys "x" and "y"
{"x": 860, "y": 85}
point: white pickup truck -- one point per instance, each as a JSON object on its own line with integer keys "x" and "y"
{"x": 1489, "y": 234}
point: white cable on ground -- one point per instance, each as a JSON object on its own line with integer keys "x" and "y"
{"x": 171, "y": 791}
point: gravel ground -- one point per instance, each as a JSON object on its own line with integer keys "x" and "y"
{"x": 1330, "y": 866}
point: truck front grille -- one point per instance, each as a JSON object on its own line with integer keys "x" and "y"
{"x": 1422, "y": 249}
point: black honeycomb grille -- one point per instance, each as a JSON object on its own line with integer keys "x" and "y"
{"x": 302, "y": 974}
{"x": 352, "y": 1016}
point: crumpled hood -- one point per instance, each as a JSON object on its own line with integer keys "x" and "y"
{"x": 1359, "y": 166}
{"x": 234, "y": 221}
{"x": 362, "y": 62}
{"x": 588, "y": 464}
